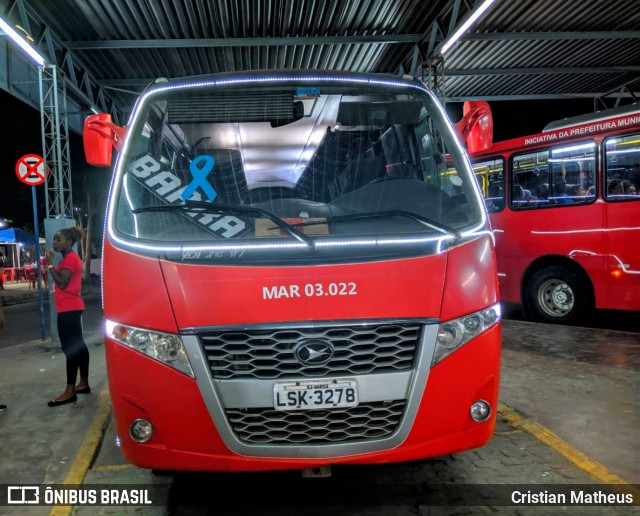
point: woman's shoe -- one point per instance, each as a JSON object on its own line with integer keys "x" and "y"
{"x": 54, "y": 403}
{"x": 85, "y": 390}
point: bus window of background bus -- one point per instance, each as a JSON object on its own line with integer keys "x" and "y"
{"x": 530, "y": 174}
{"x": 622, "y": 156}
{"x": 490, "y": 176}
{"x": 554, "y": 177}
{"x": 439, "y": 171}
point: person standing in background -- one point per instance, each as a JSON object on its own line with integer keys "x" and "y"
{"x": 3, "y": 264}
{"x": 67, "y": 276}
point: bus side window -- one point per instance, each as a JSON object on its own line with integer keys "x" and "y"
{"x": 622, "y": 174}
{"x": 490, "y": 177}
{"x": 519, "y": 194}
{"x": 554, "y": 177}
{"x": 529, "y": 180}
{"x": 495, "y": 199}
{"x": 572, "y": 168}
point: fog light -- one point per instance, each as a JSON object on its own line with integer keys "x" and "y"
{"x": 480, "y": 411}
{"x": 140, "y": 430}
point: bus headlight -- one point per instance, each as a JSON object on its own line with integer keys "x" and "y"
{"x": 168, "y": 348}
{"x": 455, "y": 333}
{"x": 163, "y": 347}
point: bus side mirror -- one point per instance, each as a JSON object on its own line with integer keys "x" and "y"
{"x": 476, "y": 126}
{"x": 100, "y": 135}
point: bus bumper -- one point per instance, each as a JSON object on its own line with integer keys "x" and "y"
{"x": 186, "y": 439}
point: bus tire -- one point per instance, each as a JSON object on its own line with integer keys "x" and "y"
{"x": 556, "y": 295}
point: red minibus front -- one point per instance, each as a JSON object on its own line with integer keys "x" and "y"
{"x": 289, "y": 278}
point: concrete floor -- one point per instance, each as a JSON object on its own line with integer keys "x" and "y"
{"x": 580, "y": 383}
{"x": 583, "y": 384}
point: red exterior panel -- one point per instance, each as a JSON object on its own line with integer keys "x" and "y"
{"x": 234, "y": 295}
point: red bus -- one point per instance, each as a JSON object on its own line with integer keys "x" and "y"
{"x": 565, "y": 211}
{"x": 289, "y": 280}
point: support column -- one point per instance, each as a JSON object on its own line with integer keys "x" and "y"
{"x": 55, "y": 151}
{"x": 55, "y": 142}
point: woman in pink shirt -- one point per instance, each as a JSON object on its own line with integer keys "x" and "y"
{"x": 67, "y": 276}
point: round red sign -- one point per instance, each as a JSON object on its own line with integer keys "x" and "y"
{"x": 31, "y": 169}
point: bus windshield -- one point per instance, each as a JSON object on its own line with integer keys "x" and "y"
{"x": 291, "y": 160}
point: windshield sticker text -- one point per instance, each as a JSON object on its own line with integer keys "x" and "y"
{"x": 310, "y": 290}
{"x": 210, "y": 255}
{"x": 169, "y": 188}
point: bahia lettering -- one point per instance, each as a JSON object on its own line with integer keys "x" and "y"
{"x": 169, "y": 188}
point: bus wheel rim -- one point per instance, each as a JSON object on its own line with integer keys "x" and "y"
{"x": 555, "y": 298}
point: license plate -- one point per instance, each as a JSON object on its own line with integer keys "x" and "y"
{"x": 315, "y": 394}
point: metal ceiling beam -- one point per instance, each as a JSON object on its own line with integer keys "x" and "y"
{"x": 79, "y": 83}
{"x": 443, "y": 25}
{"x": 624, "y": 91}
{"x": 124, "y": 82}
{"x": 240, "y": 42}
{"x": 143, "y": 82}
{"x": 502, "y": 36}
{"x": 542, "y": 71}
{"x": 542, "y": 96}
{"x": 434, "y": 64}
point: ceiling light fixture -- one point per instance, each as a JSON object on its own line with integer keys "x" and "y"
{"x": 465, "y": 26}
{"x": 21, "y": 42}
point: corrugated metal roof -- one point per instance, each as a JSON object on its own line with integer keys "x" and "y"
{"x": 534, "y": 48}
{"x": 519, "y": 49}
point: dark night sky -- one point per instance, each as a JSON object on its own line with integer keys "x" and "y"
{"x": 21, "y": 135}
{"x": 512, "y": 119}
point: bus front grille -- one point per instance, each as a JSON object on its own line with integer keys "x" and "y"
{"x": 268, "y": 426}
{"x": 270, "y": 353}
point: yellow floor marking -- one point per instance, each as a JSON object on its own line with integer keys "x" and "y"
{"x": 112, "y": 467}
{"x": 573, "y": 455}
{"x": 88, "y": 449}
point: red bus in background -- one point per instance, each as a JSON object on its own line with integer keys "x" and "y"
{"x": 565, "y": 211}
{"x": 290, "y": 279}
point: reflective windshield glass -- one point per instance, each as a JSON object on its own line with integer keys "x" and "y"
{"x": 332, "y": 159}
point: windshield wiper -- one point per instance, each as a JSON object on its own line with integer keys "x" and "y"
{"x": 442, "y": 228}
{"x": 227, "y": 209}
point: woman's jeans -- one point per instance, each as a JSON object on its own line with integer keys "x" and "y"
{"x": 73, "y": 345}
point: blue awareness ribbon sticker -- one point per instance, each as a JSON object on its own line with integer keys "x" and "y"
{"x": 199, "y": 174}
